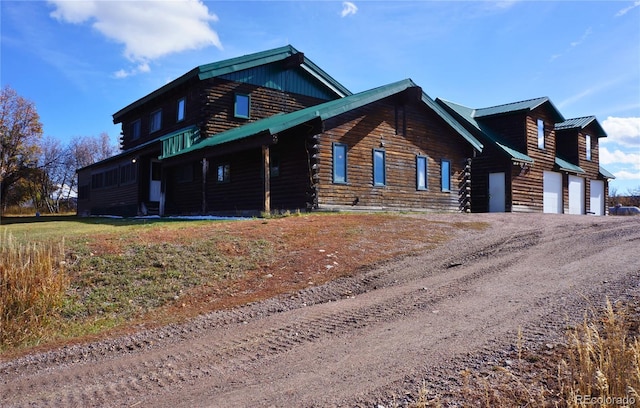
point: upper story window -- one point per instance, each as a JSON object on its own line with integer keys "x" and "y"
{"x": 241, "y": 106}
{"x": 540, "y": 134}
{"x": 156, "y": 121}
{"x": 339, "y": 163}
{"x": 421, "y": 172}
{"x": 181, "y": 108}
{"x": 445, "y": 175}
{"x": 136, "y": 129}
{"x": 379, "y": 168}
{"x": 587, "y": 141}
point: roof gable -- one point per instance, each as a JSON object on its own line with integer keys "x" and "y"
{"x": 280, "y": 122}
{"x": 318, "y": 82}
{"x": 582, "y": 123}
{"x": 521, "y": 106}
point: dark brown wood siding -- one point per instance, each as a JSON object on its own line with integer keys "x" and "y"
{"x": 116, "y": 198}
{"x": 403, "y": 134}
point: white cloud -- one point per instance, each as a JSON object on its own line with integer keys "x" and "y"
{"x": 586, "y": 34}
{"x": 624, "y": 131}
{"x": 619, "y": 157}
{"x": 143, "y": 67}
{"x": 348, "y": 8}
{"x": 627, "y": 9}
{"x": 149, "y": 29}
{"x": 627, "y": 175}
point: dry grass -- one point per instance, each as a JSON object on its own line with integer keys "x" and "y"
{"x": 32, "y": 288}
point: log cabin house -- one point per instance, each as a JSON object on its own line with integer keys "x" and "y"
{"x": 534, "y": 160}
{"x": 272, "y": 131}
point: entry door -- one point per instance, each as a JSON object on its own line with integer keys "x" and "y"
{"x": 576, "y": 195}
{"x": 155, "y": 181}
{"x": 552, "y": 192}
{"x": 596, "y": 197}
{"x": 496, "y": 192}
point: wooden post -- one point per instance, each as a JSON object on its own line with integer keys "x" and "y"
{"x": 205, "y": 168}
{"x": 267, "y": 179}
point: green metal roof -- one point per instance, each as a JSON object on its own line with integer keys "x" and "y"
{"x": 564, "y": 165}
{"x": 468, "y": 115}
{"x": 280, "y": 122}
{"x": 527, "y": 105}
{"x": 604, "y": 173}
{"x": 581, "y": 123}
{"x": 237, "y": 64}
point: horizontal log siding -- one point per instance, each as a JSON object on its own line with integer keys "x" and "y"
{"x": 217, "y": 99}
{"x": 291, "y": 189}
{"x": 119, "y": 200}
{"x": 362, "y": 131}
{"x": 183, "y": 197}
{"x": 511, "y": 129}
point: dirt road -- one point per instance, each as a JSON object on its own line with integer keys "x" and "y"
{"x": 357, "y": 341}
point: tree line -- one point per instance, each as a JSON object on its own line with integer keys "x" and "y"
{"x": 37, "y": 170}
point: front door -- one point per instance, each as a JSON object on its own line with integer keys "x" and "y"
{"x": 496, "y": 192}
{"x": 155, "y": 181}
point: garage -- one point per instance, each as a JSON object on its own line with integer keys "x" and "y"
{"x": 576, "y": 195}
{"x": 596, "y": 197}
{"x": 552, "y": 192}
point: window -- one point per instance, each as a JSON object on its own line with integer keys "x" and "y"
{"x": 127, "y": 173}
{"x": 379, "y": 170}
{"x": 111, "y": 177}
{"x": 445, "y": 176}
{"x": 587, "y": 141}
{"x": 274, "y": 164}
{"x": 156, "y": 121}
{"x": 224, "y": 173}
{"x": 421, "y": 172}
{"x": 97, "y": 180}
{"x": 540, "y": 134}
{"x": 241, "y": 106}
{"x": 135, "y": 129}
{"x": 339, "y": 163}
{"x": 182, "y": 104}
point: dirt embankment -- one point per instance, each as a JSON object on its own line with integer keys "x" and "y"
{"x": 362, "y": 340}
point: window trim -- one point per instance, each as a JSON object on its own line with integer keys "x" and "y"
{"x": 384, "y": 168}
{"x": 424, "y": 158}
{"x": 151, "y": 120}
{"x": 541, "y": 134}
{"x": 182, "y": 102}
{"x": 448, "y": 175}
{"x": 343, "y": 179}
{"x": 235, "y": 106}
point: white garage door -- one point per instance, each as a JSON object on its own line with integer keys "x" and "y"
{"x": 552, "y": 194}
{"x": 576, "y": 195}
{"x": 596, "y": 197}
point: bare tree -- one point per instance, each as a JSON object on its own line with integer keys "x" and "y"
{"x": 20, "y": 132}
{"x": 84, "y": 151}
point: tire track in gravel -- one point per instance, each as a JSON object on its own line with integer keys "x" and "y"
{"x": 218, "y": 348}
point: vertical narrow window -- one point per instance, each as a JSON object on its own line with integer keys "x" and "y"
{"x": 379, "y": 168}
{"x": 587, "y": 141}
{"x": 135, "y": 129}
{"x": 540, "y": 134}
{"x": 274, "y": 163}
{"x": 182, "y": 105}
{"x": 445, "y": 175}
{"x": 339, "y": 163}
{"x": 421, "y": 172}
{"x": 241, "y": 106}
{"x": 156, "y": 121}
{"x": 224, "y": 173}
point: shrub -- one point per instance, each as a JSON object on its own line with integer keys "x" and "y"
{"x": 32, "y": 287}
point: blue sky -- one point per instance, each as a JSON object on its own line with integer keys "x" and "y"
{"x": 81, "y": 61}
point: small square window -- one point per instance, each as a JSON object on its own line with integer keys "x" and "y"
{"x": 182, "y": 105}
{"x": 421, "y": 172}
{"x": 156, "y": 121}
{"x": 339, "y": 163}
{"x": 379, "y": 168}
{"x": 241, "y": 106}
{"x": 540, "y": 134}
{"x": 224, "y": 173}
{"x": 135, "y": 129}
{"x": 587, "y": 141}
{"x": 445, "y": 169}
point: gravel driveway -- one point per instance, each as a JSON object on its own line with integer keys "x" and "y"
{"x": 358, "y": 341}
